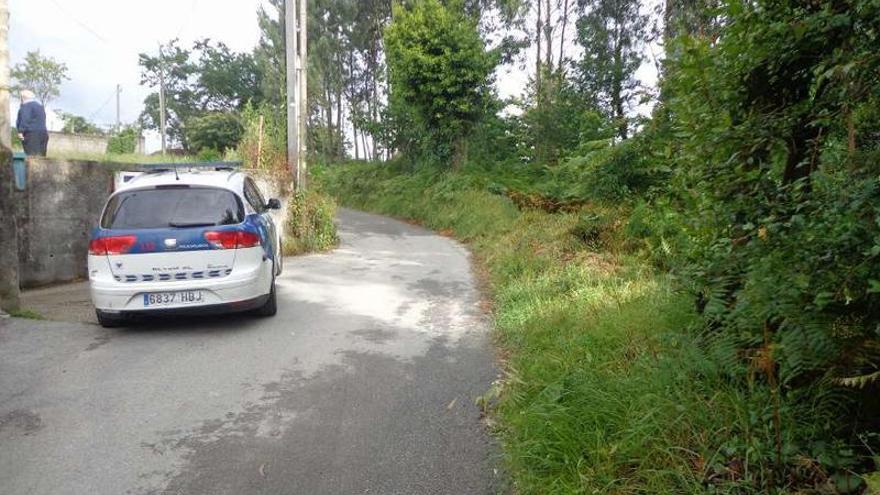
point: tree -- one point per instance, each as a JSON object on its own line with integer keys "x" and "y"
{"x": 42, "y": 75}
{"x": 269, "y": 54}
{"x": 181, "y": 101}
{"x": 439, "y": 68}
{"x": 207, "y": 78}
{"x": 74, "y": 124}
{"x": 612, "y": 33}
{"x": 225, "y": 80}
{"x": 216, "y": 131}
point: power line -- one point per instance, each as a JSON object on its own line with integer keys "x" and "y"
{"x": 103, "y": 105}
{"x": 185, "y": 24}
{"x": 81, "y": 23}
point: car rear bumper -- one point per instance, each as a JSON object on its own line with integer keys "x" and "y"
{"x": 239, "y": 291}
{"x": 197, "y": 310}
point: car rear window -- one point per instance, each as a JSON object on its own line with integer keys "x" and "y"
{"x": 179, "y": 207}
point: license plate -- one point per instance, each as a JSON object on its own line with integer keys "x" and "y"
{"x": 172, "y": 298}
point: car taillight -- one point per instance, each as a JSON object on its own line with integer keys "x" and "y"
{"x": 120, "y": 244}
{"x": 232, "y": 239}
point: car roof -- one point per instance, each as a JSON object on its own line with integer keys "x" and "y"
{"x": 225, "y": 179}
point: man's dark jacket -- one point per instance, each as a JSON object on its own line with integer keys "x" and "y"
{"x": 31, "y": 118}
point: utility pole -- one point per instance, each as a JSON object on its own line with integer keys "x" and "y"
{"x": 9, "y": 289}
{"x": 303, "y": 92}
{"x": 293, "y": 146}
{"x": 118, "y": 120}
{"x": 161, "y": 98}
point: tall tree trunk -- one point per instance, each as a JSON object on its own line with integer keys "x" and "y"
{"x": 354, "y": 132}
{"x": 562, "y": 35}
{"x": 538, "y": 27}
{"x": 617, "y": 86}
{"x": 548, "y": 35}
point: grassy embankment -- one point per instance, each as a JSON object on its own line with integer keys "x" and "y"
{"x": 605, "y": 390}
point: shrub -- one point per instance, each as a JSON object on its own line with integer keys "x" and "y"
{"x": 217, "y": 131}
{"x": 311, "y": 223}
{"x": 124, "y": 141}
{"x": 264, "y": 147}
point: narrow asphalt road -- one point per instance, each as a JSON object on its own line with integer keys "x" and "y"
{"x": 363, "y": 383}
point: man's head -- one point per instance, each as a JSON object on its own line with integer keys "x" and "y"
{"x": 27, "y": 95}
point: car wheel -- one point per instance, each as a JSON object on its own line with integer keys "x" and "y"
{"x": 271, "y": 306}
{"x": 107, "y": 320}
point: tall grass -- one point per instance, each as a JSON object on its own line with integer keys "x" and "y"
{"x": 605, "y": 388}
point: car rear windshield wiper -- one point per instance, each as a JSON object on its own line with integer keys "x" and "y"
{"x": 192, "y": 224}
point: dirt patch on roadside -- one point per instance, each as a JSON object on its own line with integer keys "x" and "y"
{"x": 68, "y": 302}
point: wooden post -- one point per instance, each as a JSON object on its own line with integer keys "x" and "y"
{"x": 260, "y": 144}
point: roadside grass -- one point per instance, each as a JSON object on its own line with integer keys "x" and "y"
{"x": 310, "y": 224}
{"x": 605, "y": 388}
{"x": 26, "y": 313}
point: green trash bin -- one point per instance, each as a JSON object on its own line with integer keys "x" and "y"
{"x": 19, "y": 169}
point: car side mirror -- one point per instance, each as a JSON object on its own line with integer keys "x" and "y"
{"x": 273, "y": 204}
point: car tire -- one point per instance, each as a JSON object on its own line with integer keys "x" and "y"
{"x": 271, "y": 306}
{"x": 107, "y": 320}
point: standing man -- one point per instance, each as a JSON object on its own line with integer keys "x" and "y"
{"x": 31, "y": 125}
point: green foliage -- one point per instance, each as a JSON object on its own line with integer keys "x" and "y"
{"x": 606, "y": 390}
{"x": 440, "y": 72}
{"x": 215, "y": 131}
{"x": 311, "y": 225}
{"x": 612, "y": 33}
{"x": 264, "y": 146}
{"x": 28, "y": 314}
{"x": 556, "y": 121}
{"x": 74, "y": 124}
{"x": 124, "y": 141}
{"x": 769, "y": 136}
{"x": 42, "y": 75}
{"x": 207, "y": 79}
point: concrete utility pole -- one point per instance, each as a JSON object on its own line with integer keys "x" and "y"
{"x": 293, "y": 146}
{"x": 303, "y": 92}
{"x": 9, "y": 289}
{"x": 118, "y": 120}
{"x": 161, "y": 98}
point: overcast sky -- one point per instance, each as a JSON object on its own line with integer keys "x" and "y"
{"x": 100, "y": 40}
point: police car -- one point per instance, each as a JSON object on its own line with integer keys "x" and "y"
{"x": 184, "y": 241}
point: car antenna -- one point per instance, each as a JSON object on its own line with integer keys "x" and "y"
{"x": 176, "y": 176}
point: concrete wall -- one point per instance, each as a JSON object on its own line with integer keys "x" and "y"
{"x": 60, "y": 206}
{"x": 55, "y": 216}
{"x": 61, "y": 143}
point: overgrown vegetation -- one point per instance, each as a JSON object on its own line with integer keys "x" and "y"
{"x": 311, "y": 223}
{"x": 310, "y": 214}
{"x": 606, "y": 390}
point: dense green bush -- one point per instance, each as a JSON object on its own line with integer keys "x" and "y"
{"x": 264, "y": 146}
{"x": 770, "y": 219}
{"x": 124, "y": 141}
{"x": 217, "y": 131}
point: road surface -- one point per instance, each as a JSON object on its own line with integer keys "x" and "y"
{"x": 363, "y": 383}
